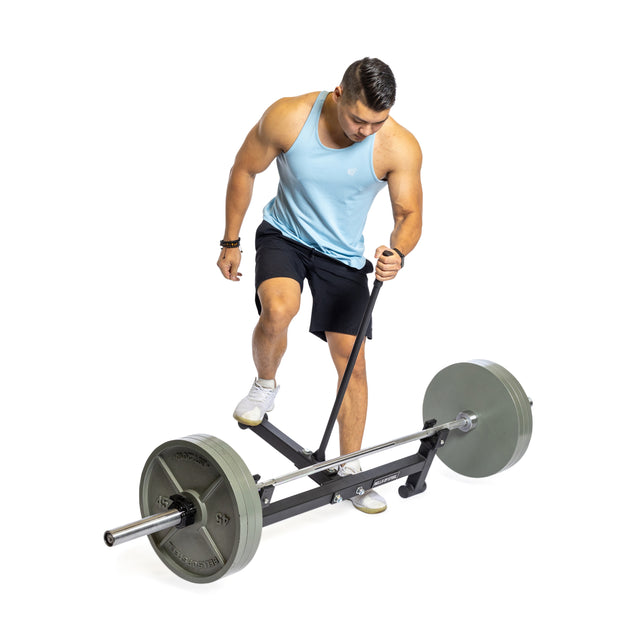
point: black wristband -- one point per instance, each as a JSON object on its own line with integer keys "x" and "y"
{"x": 401, "y": 256}
{"x": 230, "y": 244}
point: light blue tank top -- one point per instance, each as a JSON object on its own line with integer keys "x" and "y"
{"x": 325, "y": 194}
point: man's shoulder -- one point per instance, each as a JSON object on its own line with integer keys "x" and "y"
{"x": 284, "y": 119}
{"x": 291, "y": 109}
{"x": 397, "y": 147}
{"x": 296, "y": 103}
{"x": 395, "y": 137}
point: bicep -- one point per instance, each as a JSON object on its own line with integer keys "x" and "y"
{"x": 257, "y": 151}
{"x": 405, "y": 191}
{"x": 404, "y": 180}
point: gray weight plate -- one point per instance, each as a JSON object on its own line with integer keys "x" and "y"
{"x": 249, "y": 495}
{"x": 228, "y": 526}
{"x": 504, "y": 417}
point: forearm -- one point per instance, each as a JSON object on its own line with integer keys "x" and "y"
{"x": 407, "y": 231}
{"x": 404, "y": 237}
{"x": 239, "y": 192}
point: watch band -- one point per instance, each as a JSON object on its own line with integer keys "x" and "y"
{"x": 401, "y": 256}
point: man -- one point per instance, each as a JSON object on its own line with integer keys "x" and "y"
{"x": 335, "y": 151}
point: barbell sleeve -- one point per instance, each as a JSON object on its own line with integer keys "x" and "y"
{"x": 144, "y": 527}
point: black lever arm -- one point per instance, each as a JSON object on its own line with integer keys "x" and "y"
{"x": 362, "y": 332}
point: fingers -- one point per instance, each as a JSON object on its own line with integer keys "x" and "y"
{"x": 228, "y": 264}
{"x": 388, "y": 265}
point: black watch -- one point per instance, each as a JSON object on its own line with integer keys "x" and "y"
{"x": 401, "y": 256}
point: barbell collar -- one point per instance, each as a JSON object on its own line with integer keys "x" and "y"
{"x": 471, "y": 419}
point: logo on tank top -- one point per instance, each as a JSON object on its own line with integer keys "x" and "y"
{"x": 352, "y": 172}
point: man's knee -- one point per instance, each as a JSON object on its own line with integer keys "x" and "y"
{"x": 280, "y": 302}
{"x": 276, "y": 315}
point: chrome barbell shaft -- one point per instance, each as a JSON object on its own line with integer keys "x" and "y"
{"x": 465, "y": 423}
{"x": 144, "y": 527}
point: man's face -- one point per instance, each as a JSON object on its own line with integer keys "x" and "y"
{"x": 357, "y": 120}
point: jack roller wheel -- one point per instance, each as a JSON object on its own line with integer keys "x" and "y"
{"x": 228, "y": 522}
{"x": 503, "y": 413}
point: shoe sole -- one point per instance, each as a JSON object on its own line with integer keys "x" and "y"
{"x": 249, "y": 423}
{"x": 369, "y": 510}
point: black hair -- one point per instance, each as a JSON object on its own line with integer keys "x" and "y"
{"x": 372, "y": 82}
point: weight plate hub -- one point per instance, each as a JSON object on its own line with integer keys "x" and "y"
{"x": 504, "y": 417}
{"x": 227, "y": 529}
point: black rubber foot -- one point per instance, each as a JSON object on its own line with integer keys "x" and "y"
{"x": 408, "y": 490}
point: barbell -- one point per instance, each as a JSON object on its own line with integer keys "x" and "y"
{"x": 203, "y": 511}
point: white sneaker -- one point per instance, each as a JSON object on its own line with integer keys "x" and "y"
{"x": 370, "y": 501}
{"x": 251, "y": 409}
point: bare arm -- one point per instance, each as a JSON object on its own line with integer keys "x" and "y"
{"x": 258, "y": 151}
{"x": 405, "y": 191}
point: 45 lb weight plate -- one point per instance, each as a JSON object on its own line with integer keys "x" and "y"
{"x": 226, "y": 532}
{"x": 503, "y": 410}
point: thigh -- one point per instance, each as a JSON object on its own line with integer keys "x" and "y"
{"x": 340, "y": 297}
{"x": 280, "y": 268}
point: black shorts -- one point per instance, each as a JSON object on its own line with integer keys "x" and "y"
{"x": 340, "y": 292}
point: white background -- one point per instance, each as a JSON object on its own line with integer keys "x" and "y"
{"x": 120, "y": 121}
